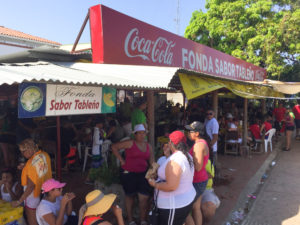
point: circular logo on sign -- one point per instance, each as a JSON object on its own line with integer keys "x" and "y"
{"x": 31, "y": 98}
{"x": 194, "y": 83}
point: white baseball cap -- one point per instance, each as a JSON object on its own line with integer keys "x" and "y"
{"x": 138, "y": 127}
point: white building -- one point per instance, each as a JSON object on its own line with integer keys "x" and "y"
{"x": 12, "y": 41}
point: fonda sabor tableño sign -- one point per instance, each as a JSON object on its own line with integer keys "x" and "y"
{"x": 65, "y": 100}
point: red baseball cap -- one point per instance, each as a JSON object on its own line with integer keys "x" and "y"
{"x": 177, "y": 136}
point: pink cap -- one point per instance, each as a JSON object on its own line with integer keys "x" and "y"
{"x": 50, "y": 184}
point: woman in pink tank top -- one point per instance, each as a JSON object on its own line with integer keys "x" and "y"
{"x": 200, "y": 153}
{"x": 138, "y": 155}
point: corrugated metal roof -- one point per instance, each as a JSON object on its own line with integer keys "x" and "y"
{"x": 139, "y": 77}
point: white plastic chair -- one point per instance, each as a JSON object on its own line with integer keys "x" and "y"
{"x": 105, "y": 150}
{"x": 270, "y": 132}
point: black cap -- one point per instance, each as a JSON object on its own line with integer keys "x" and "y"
{"x": 195, "y": 126}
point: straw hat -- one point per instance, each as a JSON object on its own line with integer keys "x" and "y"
{"x": 98, "y": 203}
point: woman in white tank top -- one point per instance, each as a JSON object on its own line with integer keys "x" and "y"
{"x": 9, "y": 189}
{"x": 176, "y": 193}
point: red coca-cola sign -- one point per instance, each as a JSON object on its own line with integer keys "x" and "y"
{"x": 120, "y": 39}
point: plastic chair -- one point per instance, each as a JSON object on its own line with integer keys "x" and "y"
{"x": 232, "y": 142}
{"x": 271, "y": 133}
{"x": 86, "y": 155}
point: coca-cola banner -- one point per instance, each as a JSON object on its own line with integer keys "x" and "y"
{"x": 120, "y": 39}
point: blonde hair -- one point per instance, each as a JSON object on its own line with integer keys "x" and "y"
{"x": 28, "y": 144}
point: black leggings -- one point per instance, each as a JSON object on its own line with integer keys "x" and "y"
{"x": 174, "y": 216}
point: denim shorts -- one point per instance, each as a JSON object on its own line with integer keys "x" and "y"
{"x": 200, "y": 188}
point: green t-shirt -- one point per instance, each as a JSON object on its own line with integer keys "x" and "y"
{"x": 138, "y": 117}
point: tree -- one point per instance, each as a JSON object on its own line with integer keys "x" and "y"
{"x": 263, "y": 32}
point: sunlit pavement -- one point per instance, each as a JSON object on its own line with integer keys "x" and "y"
{"x": 278, "y": 202}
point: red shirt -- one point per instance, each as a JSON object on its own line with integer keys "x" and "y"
{"x": 254, "y": 128}
{"x": 136, "y": 160}
{"x": 296, "y": 110}
{"x": 268, "y": 126}
{"x": 279, "y": 113}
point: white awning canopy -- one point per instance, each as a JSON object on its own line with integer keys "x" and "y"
{"x": 139, "y": 77}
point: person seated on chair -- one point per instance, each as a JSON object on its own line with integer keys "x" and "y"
{"x": 210, "y": 201}
{"x": 231, "y": 126}
{"x": 266, "y": 126}
{"x": 96, "y": 205}
{"x": 10, "y": 189}
{"x": 255, "y": 129}
{"x": 55, "y": 208}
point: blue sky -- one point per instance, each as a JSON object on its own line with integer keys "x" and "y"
{"x": 60, "y": 20}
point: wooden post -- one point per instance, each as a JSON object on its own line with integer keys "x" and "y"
{"x": 58, "y": 153}
{"x": 245, "y": 128}
{"x": 150, "y": 117}
{"x": 263, "y": 106}
{"x": 215, "y": 103}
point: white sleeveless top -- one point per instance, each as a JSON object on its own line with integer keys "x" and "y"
{"x": 6, "y": 196}
{"x": 185, "y": 192}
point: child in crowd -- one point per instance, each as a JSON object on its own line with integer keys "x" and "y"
{"x": 166, "y": 153}
{"x": 98, "y": 137}
{"x": 55, "y": 208}
{"x": 210, "y": 201}
{"x": 10, "y": 189}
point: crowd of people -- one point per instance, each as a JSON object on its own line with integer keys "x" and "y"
{"x": 183, "y": 185}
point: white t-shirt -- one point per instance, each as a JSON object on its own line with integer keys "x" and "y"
{"x": 97, "y": 142}
{"x": 185, "y": 193}
{"x": 45, "y": 207}
{"x": 161, "y": 160}
{"x": 212, "y": 127}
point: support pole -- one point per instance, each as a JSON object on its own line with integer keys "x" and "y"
{"x": 80, "y": 32}
{"x": 215, "y": 103}
{"x": 245, "y": 122}
{"x": 263, "y": 106}
{"x": 150, "y": 116}
{"x": 58, "y": 153}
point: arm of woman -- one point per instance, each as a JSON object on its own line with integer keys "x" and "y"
{"x": 29, "y": 189}
{"x": 69, "y": 207}
{"x": 110, "y": 132}
{"x": 14, "y": 196}
{"x": 173, "y": 174}
{"x": 118, "y": 146}
{"x": 198, "y": 155}
{"x": 59, "y": 220}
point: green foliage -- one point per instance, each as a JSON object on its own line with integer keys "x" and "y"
{"x": 263, "y": 32}
{"x": 107, "y": 174}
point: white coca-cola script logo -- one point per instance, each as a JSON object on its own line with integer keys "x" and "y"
{"x": 158, "y": 51}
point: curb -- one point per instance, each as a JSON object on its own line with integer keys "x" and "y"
{"x": 253, "y": 187}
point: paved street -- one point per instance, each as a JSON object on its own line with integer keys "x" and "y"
{"x": 278, "y": 202}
